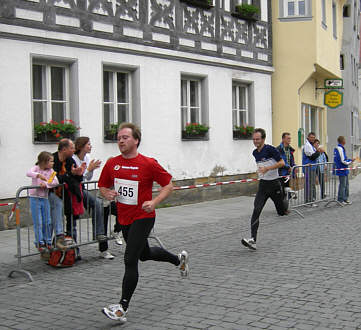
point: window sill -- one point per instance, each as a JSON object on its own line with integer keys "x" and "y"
{"x": 295, "y": 18}
{"x": 198, "y": 3}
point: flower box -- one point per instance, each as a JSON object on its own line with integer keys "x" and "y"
{"x": 242, "y": 132}
{"x": 49, "y": 137}
{"x": 246, "y": 12}
{"x": 238, "y": 135}
{"x": 110, "y": 136}
{"x": 207, "y": 4}
{"x": 195, "y": 131}
{"x": 53, "y": 131}
{"x": 194, "y": 136}
{"x": 111, "y": 132}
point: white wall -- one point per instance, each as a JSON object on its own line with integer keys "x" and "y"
{"x": 160, "y": 106}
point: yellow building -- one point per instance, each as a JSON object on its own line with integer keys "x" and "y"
{"x": 307, "y": 38}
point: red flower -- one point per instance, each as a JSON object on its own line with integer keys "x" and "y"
{"x": 62, "y": 122}
{"x": 53, "y": 131}
{"x": 57, "y": 135}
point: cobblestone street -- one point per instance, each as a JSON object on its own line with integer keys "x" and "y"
{"x": 304, "y": 275}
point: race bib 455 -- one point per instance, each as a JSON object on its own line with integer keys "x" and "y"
{"x": 127, "y": 190}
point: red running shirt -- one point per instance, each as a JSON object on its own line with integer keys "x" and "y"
{"x": 133, "y": 180}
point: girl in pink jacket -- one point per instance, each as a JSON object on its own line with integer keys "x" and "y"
{"x": 42, "y": 175}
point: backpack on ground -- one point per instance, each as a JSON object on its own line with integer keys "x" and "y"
{"x": 63, "y": 257}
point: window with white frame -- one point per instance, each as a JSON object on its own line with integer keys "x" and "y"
{"x": 190, "y": 101}
{"x": 240, "y": 105}
{"x": 295, "y": 8}
{"x": 312, "y": 120}
{"x": 116, "y": 100}
{"x": 50, "y": 91}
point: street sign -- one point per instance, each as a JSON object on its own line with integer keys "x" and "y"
{"x": 333, "y": 99}
{"x": 333, "y": 83}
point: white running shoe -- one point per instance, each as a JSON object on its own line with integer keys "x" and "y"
{"x": 115, "y": 312}
{"x": 183, "y": 266}
{"x": 118, "y": 238}
{"x": 106, "y": 255}
{"x": 250, "y": 243}
{"x": 347, "y": 203}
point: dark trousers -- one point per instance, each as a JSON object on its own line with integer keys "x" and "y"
{"x": 321, "y": 181}
{"x": 266, "y": 189}
{"x": 310, "y": 184}
{"x": 136, "y": 237}
{"x": 109, "y": 210}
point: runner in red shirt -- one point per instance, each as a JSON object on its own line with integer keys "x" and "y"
{"x": 128, "y": 179}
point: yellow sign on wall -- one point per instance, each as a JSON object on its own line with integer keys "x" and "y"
{"x": 333, "y": 99}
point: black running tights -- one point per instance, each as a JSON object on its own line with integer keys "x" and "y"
{"x": 136, "y": 237}
{"x": 266, "y": 189}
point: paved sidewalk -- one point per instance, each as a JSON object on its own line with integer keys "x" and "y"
{"x": 304, "y": 275}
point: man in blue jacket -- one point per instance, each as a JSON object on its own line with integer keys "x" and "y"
{"x": 286, "y": 152}
{"x": 341, "y": 164}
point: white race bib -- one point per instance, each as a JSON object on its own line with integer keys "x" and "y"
{"x": 127, "y": 190}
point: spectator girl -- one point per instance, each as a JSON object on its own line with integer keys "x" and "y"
{"x": 42, "y": 175}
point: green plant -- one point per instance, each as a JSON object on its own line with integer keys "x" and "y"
{"x": 112, "y": 129}
{"x": 244, "y": 130}
{"x": 247, "y": 10}
{"x": 65, "y": 127}
{"x": 196, "y": 128}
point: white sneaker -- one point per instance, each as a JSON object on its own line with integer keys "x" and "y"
{"x": 250, "y": 243}
{"x": 118, "y": 238}
{"x": 115, "y": 312}
{"x": 183, "y": 266}
{"x": 347, "y": 203}
{"x": 106, "y": 255}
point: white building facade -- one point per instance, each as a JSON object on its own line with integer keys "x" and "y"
{"x": 158, "y": 63}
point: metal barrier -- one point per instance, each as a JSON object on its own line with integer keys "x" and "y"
{"x": 82, "y": 228}
{"x": 87, "y": 228}
{"x": 311, "y": 185}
